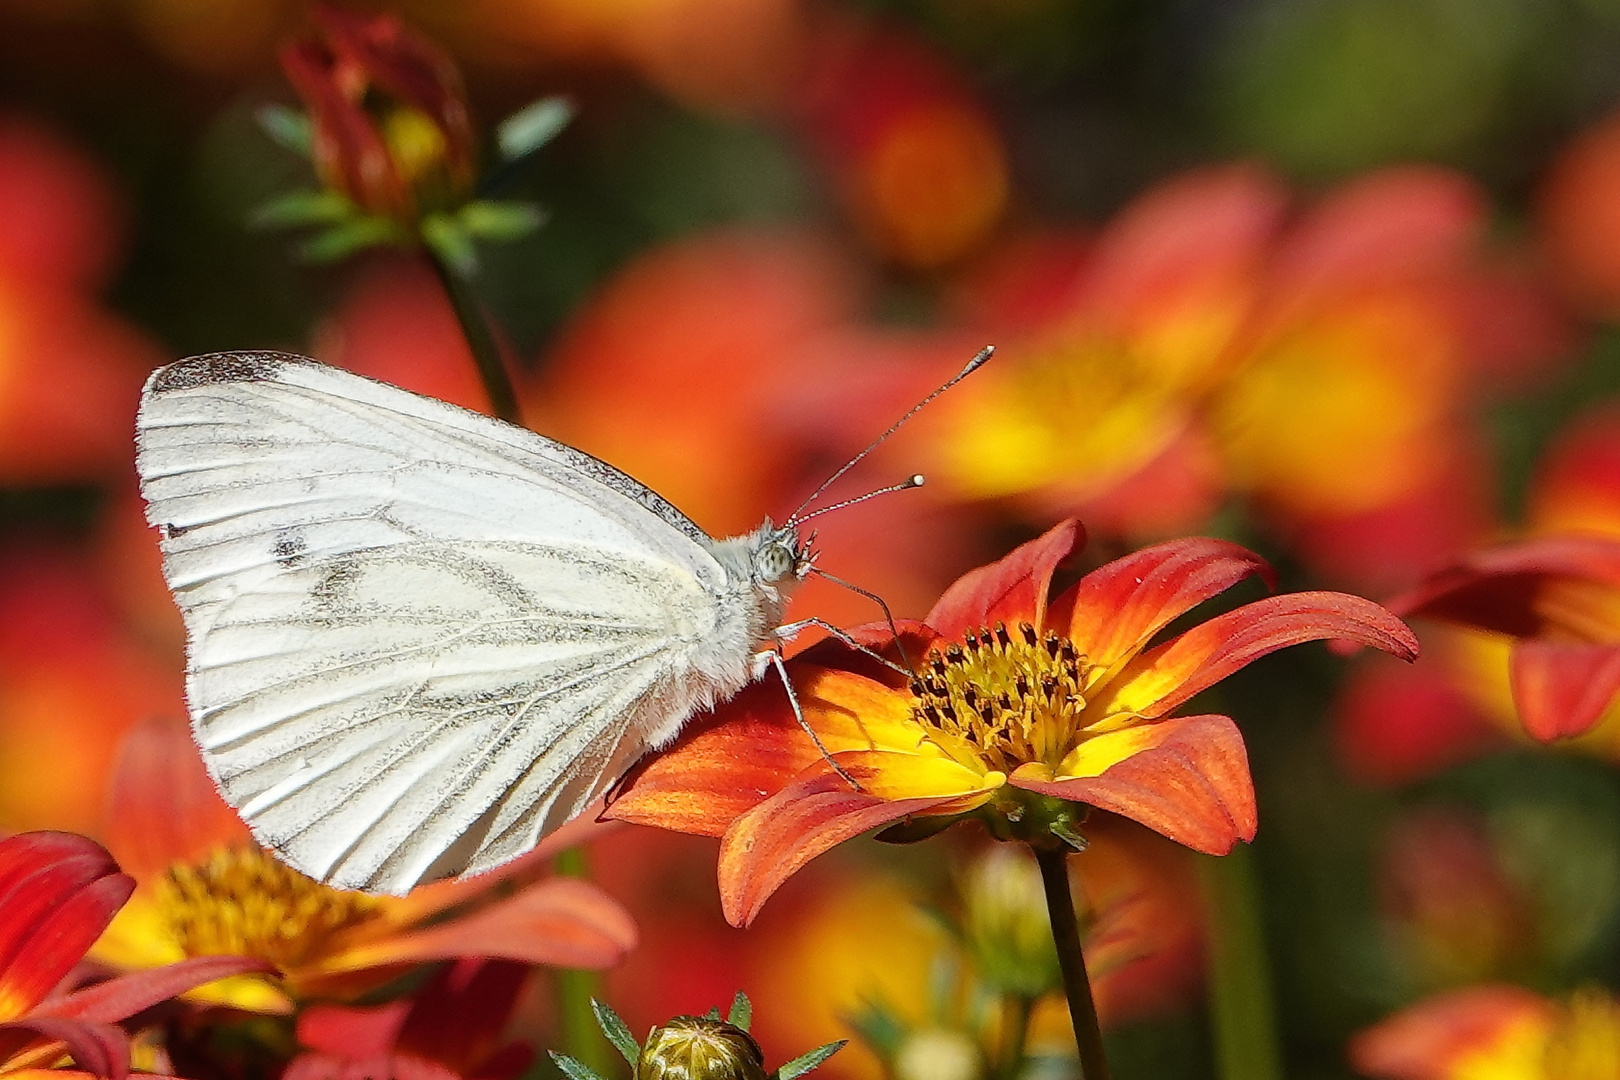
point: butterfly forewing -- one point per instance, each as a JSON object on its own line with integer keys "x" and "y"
{"x": 419, "y": 638}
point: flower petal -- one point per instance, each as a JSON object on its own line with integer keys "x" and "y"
{"x": 752, "y": 746}
{"x": 123, "y": 997}
{"x": 1011, "y": 589}
{"x": 459, "y": 1016}
{"x": 1187, "y": 778}
{"x": 1562, "y": 689}
{"x": 58, "y": 892}
{"x": 1430, "y": 1039}
{"x": 1114, "y": 610}
{"x": 100, "y": 1049}
{"x": 1159, "y": 680}
{"x": 1496, "y": 589}
{"x": 163, "y": 808}
{"x": 563, "y": 921}
{"x": 768, "y": 844}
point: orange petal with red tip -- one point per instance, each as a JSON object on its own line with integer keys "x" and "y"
{"x": 1158, "y": 681}
{"x": 1011, "y": 589}
{"x": 1426, "y": 1041}
{"x": 58, "y": 892}
{"x": 563, "y": 921}
{"x": 1562, "y": 689}
{"x": 163, "y": 808}
{"x": 752, "y": 746}
{"x": 1187, "y": 778}
{"x": 820, "y": 809}
{"x": 1113, "y": 611}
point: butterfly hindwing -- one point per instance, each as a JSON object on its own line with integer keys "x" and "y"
{"x": 419, "y": 638}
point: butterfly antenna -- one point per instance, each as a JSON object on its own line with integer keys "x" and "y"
{"x": 972, "y": 365}
{"x": 914, "y": 481}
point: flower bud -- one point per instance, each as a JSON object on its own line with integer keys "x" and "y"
{"x": 391, "y": 127}
{"x": 1005, "y": 924}
{"x": 700, "y": 1048}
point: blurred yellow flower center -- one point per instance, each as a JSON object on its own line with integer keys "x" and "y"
{"x": 1003, "y": 698}
{"x": 243, "y": 901}
{"x": 415, "y": 142}
{"x": 1586, "y": 1046}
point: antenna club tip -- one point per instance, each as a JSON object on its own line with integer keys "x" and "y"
{"x": 917, "y": 480}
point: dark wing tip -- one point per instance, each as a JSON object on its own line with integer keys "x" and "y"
{"x": 221, "y": 367}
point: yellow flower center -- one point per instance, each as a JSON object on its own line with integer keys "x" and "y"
{"x": 1003, "y": 698}
{"x": 243, "y": 901}
{"x": 1586, "y": 1045}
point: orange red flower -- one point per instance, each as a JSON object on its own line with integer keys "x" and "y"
{"x": 1025, "y": 709}
{"x": 203, "y": 887}
{"x": 57, "y": 893}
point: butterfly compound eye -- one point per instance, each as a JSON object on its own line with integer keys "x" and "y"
{"x": 773, "y": 561}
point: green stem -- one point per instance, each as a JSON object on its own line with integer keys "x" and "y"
{"x": 1015, "y": 1035}
{"x": 582, "y": 1036}
{"x": 1053, "y": 862}
{"x": 1241, "y": 1004}
{"x": 480, "y": 339}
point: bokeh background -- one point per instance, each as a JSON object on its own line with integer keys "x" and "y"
{"x": 1333, "y": 278}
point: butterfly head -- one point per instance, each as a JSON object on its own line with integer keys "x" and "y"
{"x": 780, "y": 554}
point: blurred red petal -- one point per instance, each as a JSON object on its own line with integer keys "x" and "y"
{"x": 351, "y": 1031}
{"x": 126, "y": 995}
{"x": 1577, "y": 481}
{"x": 1396, "y": 723}
{"x": 1496, "y": 588}
{"x": 99, "y": 1049}
{"x": 1169, "y": 675}
{"x": 1562, "y": 689}
{"x": 163, "y": 808}
{"x": 562, "y": 921}
{"x": 58, "y": 221}
{"x": 1012, "y": 589}
{"x": 1426, "y": 1040}
{"x": 771, "y": 842}
{"x": 1114, "y": 610}
{"x": 1579, "y": 217}
{"x": 458, "y": 1018}
{"x": 1192, "y": 784}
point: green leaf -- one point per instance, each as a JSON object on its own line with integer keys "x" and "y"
{"x": 451, "y": 243}
{"x": 532, "y": 126}
{"x": 878, "y": 1028}
{"x": 572, "y": 1068}
{"x": 289, "y": 128}
{"x": 617, "y": 1033}
{"x": 742, "y": 1011}
{"x": 298, "y": 208}
{"x": 488, "y": 219}
{"x": 805, "y": 1062}
{"x": 356, "y": 234}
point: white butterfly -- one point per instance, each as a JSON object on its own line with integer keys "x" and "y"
{"x": 420, "y": 638}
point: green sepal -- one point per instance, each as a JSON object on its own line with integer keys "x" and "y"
{"x": 532, "y": 126}
{"x": 878, "y": 1028}
{"x": 617, "y": 1032}
{"x": 805, "y": 1062}
{"x": 355, "y": 234}
{"x": 572, "y": 1068}
{"x": 742, "y": 1011}
{"x": 450, "y": 242}
{"x": 1065, "y": 831}
{"x": 713, "y": 1013}
{"x": 288, "y": 128}
{"x": 295, "y": 209}
{"x": 488, "y": 219}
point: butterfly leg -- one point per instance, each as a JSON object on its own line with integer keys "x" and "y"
{"x": 789, "y": 629}
{"x": 887, "y": 615}
{"x": 798, "y": 714}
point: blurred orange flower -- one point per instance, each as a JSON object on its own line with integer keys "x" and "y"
{"x": 1495, "y": 1032}
{"x": 203, "y": 887}
{"x": 1210, "y": 344}
{"x": 57, "y": 893}
{"x": 1578, "y": 219}
{"x": 70, "y": 370}
{"x": 1031, "y": 709}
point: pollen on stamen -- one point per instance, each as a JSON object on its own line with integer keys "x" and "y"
{"x": 1003, "y": 697}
